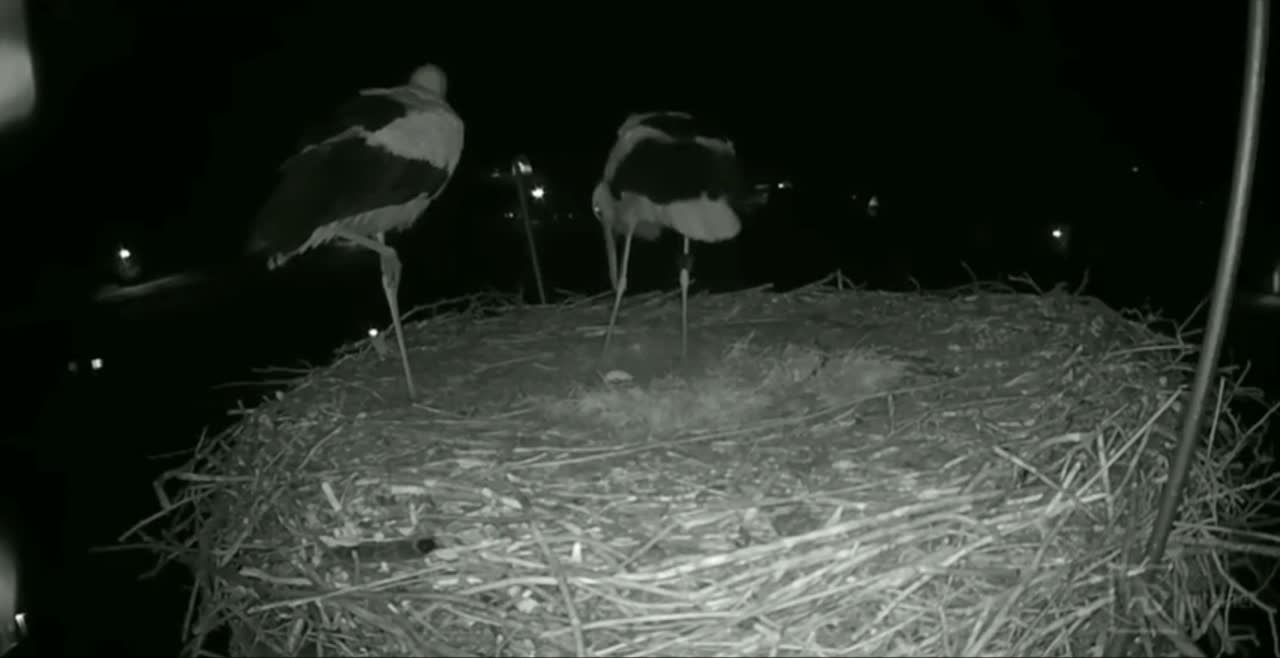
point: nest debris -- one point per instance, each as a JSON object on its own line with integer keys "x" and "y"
{"x": 830, "y": 473}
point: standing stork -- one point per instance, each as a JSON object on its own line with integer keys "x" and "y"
{"x": 391, "y": 153}
{"x": 666, "y": 171}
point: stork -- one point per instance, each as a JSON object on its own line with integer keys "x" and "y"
{"x": 666, "y": 171}
{"x": 391, "y": 153}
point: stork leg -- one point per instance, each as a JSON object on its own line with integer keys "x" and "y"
{"x": 684, "y": 301}
{"x": 611, "y": 252}
{"x": 620, "y": 288}
{"x": 391, "y": 288}
{"x": 391, "y": 267}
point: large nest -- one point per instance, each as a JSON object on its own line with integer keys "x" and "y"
{"x": 830, "y": 472}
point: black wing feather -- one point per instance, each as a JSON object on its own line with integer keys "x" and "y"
{"x": 671, "y": 171}
{"x": 370, "y": 112}
{"x": 338, "y": 180}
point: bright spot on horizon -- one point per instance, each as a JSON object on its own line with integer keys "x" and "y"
{"x": 538, "y": 192}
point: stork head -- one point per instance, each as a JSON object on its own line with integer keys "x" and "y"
{"x": 430, "y": 77}
{"x": 602, "y": 203}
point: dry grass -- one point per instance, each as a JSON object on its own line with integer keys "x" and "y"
{"x": 833, "y": 473}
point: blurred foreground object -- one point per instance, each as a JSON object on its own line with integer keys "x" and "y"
{"x": 17, "y": 72}
{"x": 12, "y": 626}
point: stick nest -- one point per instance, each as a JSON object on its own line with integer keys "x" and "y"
{"x": 829, "y": 473}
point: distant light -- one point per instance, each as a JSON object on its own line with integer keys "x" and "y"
{"x": 1134, "y": 169}
{"x": 1056, "y": 233}
{"x": 784, "y": 185}
{"x": 373, "y": 333}
{"x": 538, "y": 192}
{"x": 873, "y": 206}
{"x": 96, "y": 364}
{"x": 73, "y": 367}
{"x": 523, "y": 166}
{"x": 124, "y": 254}
{"x": 509, "y": 214}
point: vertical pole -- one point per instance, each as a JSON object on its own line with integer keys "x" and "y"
{"x": 518, "y": 171}
{"x": 1228, "y": 264}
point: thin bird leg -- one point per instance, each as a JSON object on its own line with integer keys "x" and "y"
{"x": 684, "y": 301}
{"x": 391, "y": 288}
{"x": 611, "y": 251}
{"x": 391, "y": 267}
{"x": 622, "y": 286}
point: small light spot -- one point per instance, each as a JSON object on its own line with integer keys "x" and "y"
{"x": 73, "y": 367}
{"x": 1134, "y": 169}
{"x": 373, "y": 333}
{"x": 124, "y": 254}
{"x": 509, "y": 214}
{"x": 96, "y": 364}
{"x": 538, "y": 192}
{"x": 784, "y": 185}
{"x": 523, "y": 166}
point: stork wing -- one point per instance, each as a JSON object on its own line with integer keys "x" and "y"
{"x": 430, "y": 130}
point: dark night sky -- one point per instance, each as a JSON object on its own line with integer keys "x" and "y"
{"x": 168, "y": 122}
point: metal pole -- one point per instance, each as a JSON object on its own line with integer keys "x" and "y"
{"x": 518, "y": 172}
{"x": 1228, "y": 263}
